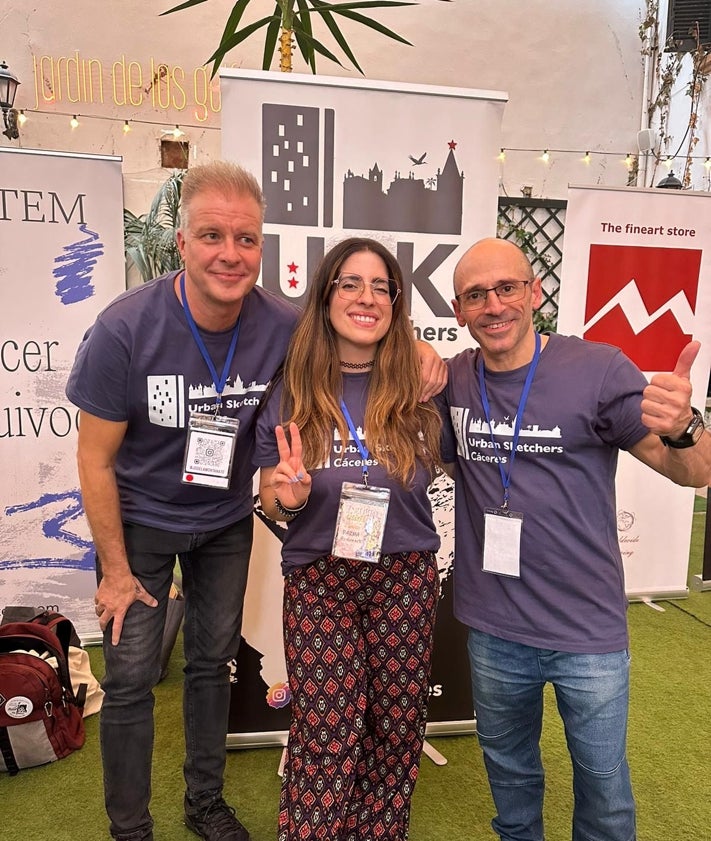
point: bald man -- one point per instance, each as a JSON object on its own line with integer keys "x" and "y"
{"x": 537, "y": 422}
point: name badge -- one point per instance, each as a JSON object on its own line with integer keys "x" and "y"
{"x": 209, "y": 450}
{"x": 502, "y": 542}
{"x": 362, "y": 511}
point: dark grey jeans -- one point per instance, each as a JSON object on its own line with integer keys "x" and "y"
{"x": 214, "y": 569}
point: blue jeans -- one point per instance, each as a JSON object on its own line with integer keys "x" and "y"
{"x": 592, "y": 693}
{"x": 214, "y": 568}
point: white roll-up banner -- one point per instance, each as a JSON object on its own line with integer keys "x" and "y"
{"x": 637, "y": 274}
{"x": 415, "y": 167}
{"x": 61, "y": 261}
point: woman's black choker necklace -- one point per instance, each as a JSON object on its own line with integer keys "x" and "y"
{"x": 357, "y": 366}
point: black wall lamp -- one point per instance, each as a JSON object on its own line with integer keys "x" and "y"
{"x": 8, "y": 89}
{"x": 671, "y": 182}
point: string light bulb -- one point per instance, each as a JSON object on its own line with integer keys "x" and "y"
{"x": 177, "y": 132}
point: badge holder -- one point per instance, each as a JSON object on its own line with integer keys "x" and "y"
{"x": 502, "y": 542}
{"x": 362, "y": 511}
{"x": 209, "y": 450}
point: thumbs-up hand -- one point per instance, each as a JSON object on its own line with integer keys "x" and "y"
{"x": 666, "y": 401}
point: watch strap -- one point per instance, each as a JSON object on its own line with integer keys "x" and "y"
{"x": 691, "y": 434}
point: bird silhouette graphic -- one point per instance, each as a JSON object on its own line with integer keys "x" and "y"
{"x": 418, "y": 161}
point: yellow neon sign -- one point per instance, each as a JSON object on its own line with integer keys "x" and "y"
{"x": 169, "y": 87}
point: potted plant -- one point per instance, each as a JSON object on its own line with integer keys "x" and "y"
{"x": 291, "y": 23}
{"x": 149, "y": 239}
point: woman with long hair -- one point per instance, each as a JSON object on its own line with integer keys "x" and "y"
{"x": 347, "y": 452}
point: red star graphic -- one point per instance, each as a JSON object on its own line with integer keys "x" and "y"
{"x": 293, "y": 283}
{"x": 452, "y": 144}
{"x": 292, "y": 267}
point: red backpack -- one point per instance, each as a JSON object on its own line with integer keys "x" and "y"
{"x": 40, "y": 717}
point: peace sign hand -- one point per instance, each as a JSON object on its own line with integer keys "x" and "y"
{"x": 290, "y": 480}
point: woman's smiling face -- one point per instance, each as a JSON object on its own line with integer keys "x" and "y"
{"x": 360, "y": 324}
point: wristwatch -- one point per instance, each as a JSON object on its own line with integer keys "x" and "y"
{"x": 691, "y": 435}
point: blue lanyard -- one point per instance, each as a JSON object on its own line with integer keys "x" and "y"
{"x": 506, "y": 475}
{"x": 362, "y": 449}
{"x": 218, "y": 381}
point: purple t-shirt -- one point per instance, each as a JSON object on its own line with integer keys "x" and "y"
{"x": 584, "y": 406}
{"x": 409, "y": 525}
{"x": 140, "y": 364}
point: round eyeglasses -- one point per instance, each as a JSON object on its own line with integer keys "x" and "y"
{"x": 350, "y": 287}
{"x": 509, "y": 291}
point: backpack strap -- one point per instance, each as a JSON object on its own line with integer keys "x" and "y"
{"x": 67, "y": 635}
{"x": 80, "y": 695}
{"x": 7, "y": 752}
{"x": 61, "y": 626}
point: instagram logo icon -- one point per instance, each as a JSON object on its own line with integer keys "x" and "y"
{"x": 278, "y": 695}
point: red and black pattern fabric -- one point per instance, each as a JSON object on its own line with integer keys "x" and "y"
{"x": 358, "y": 643}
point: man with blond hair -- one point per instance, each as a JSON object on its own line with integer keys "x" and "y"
{"x": 168, "y": 381}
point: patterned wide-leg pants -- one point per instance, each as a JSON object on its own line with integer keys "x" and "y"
{"x": 358, "y": 642}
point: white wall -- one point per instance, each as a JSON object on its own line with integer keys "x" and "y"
{"x": 678, "y": 145}
{"x": 573, "y": 72}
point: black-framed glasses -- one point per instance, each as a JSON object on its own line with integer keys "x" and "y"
{"x": 508, "y": 291}
{"x": 350, "y": 287}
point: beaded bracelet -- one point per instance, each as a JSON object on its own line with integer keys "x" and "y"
{"x": 288, "y": 512}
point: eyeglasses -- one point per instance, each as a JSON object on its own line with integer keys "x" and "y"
{"x": 350, "y": 287}
{"x": 509, "y": 291}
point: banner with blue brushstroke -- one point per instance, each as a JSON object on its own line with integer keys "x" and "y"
{"x": 61, "y": 262}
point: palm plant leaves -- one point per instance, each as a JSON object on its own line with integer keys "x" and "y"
{"x": 295, "y": 15}
{"x": 149, "y": 239}
{"x": 271, "y": 38}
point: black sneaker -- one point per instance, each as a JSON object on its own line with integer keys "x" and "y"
{"x": 215, "y": 821}
{"x": 139, "y": 835}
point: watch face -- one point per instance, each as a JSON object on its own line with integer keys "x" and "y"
{"x": 696, "y": 428}
{"x": 691, "y": 435}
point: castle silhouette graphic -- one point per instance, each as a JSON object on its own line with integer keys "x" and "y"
{"x": 409, "y": 204}
{"x": 298, "y": 177}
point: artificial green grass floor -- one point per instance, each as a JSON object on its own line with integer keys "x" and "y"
{"x": 669, "y": 749}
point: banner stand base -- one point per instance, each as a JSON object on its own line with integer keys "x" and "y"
{"x": 658, "y": 595}
{"x": 427, "y": 749}
{"x": 700, "y": 584}
{"x": 277, "y": 738}
{"x": 433, "y": 754}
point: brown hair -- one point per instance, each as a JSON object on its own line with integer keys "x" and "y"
{"x": 399, "y": 429}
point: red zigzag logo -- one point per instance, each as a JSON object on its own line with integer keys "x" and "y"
{"x": 643, "y": 300}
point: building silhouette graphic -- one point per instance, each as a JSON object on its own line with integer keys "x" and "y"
{"x": 290, "y": 164}
{"x": 298, "y": 154}
{"x": 507, "y": 427}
